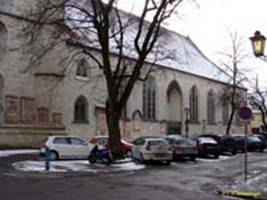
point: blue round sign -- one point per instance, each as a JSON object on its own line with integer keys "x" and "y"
{"x": 245, "y": 113}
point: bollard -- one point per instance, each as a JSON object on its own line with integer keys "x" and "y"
{"x": 47, "y": 159}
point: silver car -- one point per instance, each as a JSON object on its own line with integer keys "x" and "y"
{"x": 152, "y": 149}
{"x": 65, "y": 147}
{"x": 183, "y": 147}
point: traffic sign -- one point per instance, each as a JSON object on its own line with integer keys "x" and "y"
{"x": 245, "y": 113}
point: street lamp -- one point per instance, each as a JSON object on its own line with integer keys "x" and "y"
{"x": 187, "y": 111}
{"x": 258, "y": 45}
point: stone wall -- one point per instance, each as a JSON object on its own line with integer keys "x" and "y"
{"x": 24, "y": 136}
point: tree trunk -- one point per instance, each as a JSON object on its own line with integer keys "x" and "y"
{"x": 233, "y": 100}
{"x": 229, "y": 124}
{"x": 113, "y": 122}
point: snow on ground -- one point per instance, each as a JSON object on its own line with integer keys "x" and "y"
{"x": 256, "y": 183}
{"x": 68, "y": 165}
{"x": 5, "y": 153}
{"x": 76, "y": 166}
{"x": 211, "y": 159}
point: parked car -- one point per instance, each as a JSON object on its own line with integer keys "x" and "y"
{"x": 183, "y": 147}
{"x": 65, "y": 147}
{"x": 228, "y": 144}
{"x": 262, "y": 138}
{"x": 208, "y": 146}
{"x": 103, "y": 140}
{"x": 263, "y": 134}
{"x": 253, "y": 143}
{"x": 211, "y": 135}
{"x": 152, "y": 149}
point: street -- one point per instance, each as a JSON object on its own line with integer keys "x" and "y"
{"x": 181, "y": 180}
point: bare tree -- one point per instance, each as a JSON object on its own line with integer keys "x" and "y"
{"x": 233, "y": 59}
{"x": 258, "y": 102}
{"x": 100, "y": 26}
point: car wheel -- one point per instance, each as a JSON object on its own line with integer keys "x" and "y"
{"x": 167, "y": 162}
{"x": 216, "y": 156}
{"x": 108, "y": 160}
{"x": 53, "y": 155}
{"x": 92, "y": 159}
{"x": 141, "y": 159}
{"x": 193, "y": 158}
{"x": 129, "y": 154}
{"x": 234, "y": 152}
{"x": 261, "y": 149}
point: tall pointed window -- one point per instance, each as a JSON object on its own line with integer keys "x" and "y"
{"x": 149, "y": 99}
{"x": 193, "y": 99}
{"x": 211, "y": 108}
{"x": 225, "y": 112}
{"x": 81, "y": 110}
{"x": 3, "y": 39}
{"x": 82, "y": 71}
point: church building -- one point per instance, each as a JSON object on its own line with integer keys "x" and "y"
{"x": 52, "y": 97}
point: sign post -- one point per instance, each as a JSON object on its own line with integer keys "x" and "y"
{"x": 245, "y": 113}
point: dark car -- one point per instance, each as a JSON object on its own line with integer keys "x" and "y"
{"x": 262, "y": 138}
{"x": 263, "y": 134}
{"x": 228, "y": 145}
{"x": 253, "y": 143}
{"x": 211, "y": 135}
{"x": 208, "y": 146}
{"x": 183, "y": 147}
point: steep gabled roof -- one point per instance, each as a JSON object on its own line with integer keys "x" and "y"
{"x": 172, "y": 50}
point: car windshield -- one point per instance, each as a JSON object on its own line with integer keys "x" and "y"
{"x": 171, "y": 141}
{"x": 254, "y": 139}
{"x": 186, "y": 142}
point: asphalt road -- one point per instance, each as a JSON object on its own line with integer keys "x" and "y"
{"x": 181, "y": 180}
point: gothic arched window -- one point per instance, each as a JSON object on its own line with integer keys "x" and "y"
{"x": 211, "y": 107}
{"x": 82, "y": 71}
{"x": 193, "y": 99}
{"x": 225, "y": 112}
{"x": 3, "y": 39}
{"x": 149, "y": 99}
{"x": 81, "y": 110}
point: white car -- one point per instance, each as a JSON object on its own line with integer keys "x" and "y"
{"x": 66, "y": 147}
{"x": 152, "y": 149}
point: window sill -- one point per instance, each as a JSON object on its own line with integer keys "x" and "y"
{"x": 80, "y": 122}
{"x": 194, "y": 123}
{"x": 151, "y": 120}
{"x": 81, "y": 78}
{"x": 212, "y": 124}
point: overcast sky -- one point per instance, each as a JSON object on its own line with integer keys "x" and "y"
{"x": 208, "y": 24}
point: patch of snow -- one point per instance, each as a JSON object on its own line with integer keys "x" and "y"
{"x": 6, "y": 153}
{"x": 123, "y": 160}
{"x": 215, "y": 160}
{"x": 128, "y": 166}
{"x": 34, "y": 166}
{"x": 75, "y": 166}
{"x": 255, "y": 172}
{"x": 256, "y": 179}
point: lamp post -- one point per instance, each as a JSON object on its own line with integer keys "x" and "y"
{"x": 186, "y": 110}
{"x": 258, "y": 45}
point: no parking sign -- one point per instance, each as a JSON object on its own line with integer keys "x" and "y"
{"x": 245, "y": 113}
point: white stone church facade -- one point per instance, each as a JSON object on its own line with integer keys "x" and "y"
{"x": 51, "y": 98}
